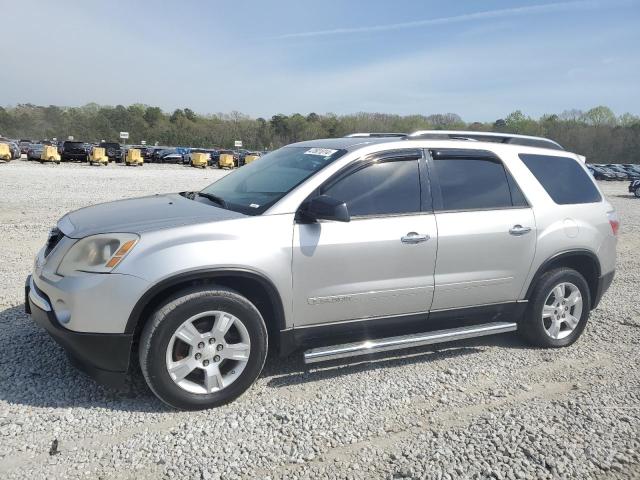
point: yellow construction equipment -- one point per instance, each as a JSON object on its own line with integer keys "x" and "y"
{"x": 199, "y": 159}
{"x": 5, "y": 152}
{"x": 50, "y": 154}
{"x": 98, "y": 156}
{"x": 252, "y": 157}
{"x": 226, "y": 161}
{"x": 134, "y": 157}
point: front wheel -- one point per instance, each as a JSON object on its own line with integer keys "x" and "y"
{"x": 203, "y": 348}
{"x": 558, "y": 309}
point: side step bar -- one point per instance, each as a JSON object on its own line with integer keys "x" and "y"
{"x": 333, "y": 352}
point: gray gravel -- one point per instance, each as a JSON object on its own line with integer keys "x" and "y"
{"x": 485, "y": 408}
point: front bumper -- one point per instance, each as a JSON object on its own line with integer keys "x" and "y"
{"x": 103, "y": 356}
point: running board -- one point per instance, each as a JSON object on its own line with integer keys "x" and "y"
{"x": 367, "y": 347}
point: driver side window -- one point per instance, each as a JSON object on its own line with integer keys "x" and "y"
{"x": 380, "y": 188}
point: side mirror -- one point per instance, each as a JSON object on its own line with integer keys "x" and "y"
{"x": 325, "y": 207}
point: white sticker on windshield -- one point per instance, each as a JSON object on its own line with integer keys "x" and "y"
{"x": 254, "y": 205}
{"x": 323, "y": 152}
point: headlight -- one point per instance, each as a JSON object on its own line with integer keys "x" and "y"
{"x": 97, "y": 253}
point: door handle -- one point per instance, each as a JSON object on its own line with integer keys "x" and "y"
{"x": 413, "y": 237}
{"x": 519, "y": 230}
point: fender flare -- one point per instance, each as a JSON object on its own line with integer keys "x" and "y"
{"x": 559, "y": 256}
{"x": 206, "y": 274}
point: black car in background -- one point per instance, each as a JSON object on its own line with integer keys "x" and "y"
{"x": 113, "y": 150}
{"x": 72, "y": 150}
{"x": 24, "y": 145}
{"x": 634, "y": 187}
{"x": 34, "y": 151}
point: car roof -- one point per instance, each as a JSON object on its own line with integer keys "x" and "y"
{"x": 344, "y": 143}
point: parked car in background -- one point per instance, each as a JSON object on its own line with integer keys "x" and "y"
{"x": 214, "y": 157}
{"x": 15, "y": 151}
{"x": 157, "y": 152}
{"x": 610, "y": 171}
{"x": 632, "y": 169}
{"x": 24, "y": 146}
{"x": 634, "y": 187}
{"x": 618, "y": 169}
{"x": 602, "y": 173}
{"x": 171, "y": 155}
{"x": 113, "y": 149}
{"x": 35, "y": 151}
{"x": 73, "y": 151}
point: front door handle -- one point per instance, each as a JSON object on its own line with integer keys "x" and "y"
{"x": 519, "y": 230}
{"x": 413, "y": 237}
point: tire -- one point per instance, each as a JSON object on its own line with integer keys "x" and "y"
{"x": 536, "y": 329}
{"x": 636, "y": 192}
{"x": 159, "y": 344}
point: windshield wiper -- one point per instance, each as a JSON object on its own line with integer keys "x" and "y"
{"x": 214, "y": 198}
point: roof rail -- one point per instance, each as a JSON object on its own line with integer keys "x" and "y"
{"x": 510, "y": 138}
{"x": 375, "y": 135}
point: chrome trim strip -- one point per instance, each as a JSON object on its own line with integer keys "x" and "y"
{"x": 438, "y": 310}
{"x": 364, "y": 319}
{"x": 35, "y": 297}
{"x": 405, "y": 341}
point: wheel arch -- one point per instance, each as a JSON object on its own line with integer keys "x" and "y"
{"x": 258, "y": 289}
{"x": 582, "y": 260}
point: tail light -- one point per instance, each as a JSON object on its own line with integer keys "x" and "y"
{"x": 614, "y": 221}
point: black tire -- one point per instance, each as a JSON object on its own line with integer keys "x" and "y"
{"x": 161, "y": 326}
{"x": 531, "y": 326}
{"x": 636, "y": 192}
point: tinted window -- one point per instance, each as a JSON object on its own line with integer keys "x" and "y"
{"x": 468, "y": 184}
{"x": 563, "y": 178}
{"x": 380, "y": 189}
{"x": 517, "y": 197}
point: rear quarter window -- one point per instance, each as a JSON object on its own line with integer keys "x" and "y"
{"x": 563, "y": 178}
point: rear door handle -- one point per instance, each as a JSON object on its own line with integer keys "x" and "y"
{"x": 519, "y": 230}
{"x": 413, "y": 237}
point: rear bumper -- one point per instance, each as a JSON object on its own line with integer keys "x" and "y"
{"x": 74, "y": 156}
{"x": 604, "y": 282}
{"x": 103, "y": 356}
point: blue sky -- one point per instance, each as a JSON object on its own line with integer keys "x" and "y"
{"x": 480, "y": 59}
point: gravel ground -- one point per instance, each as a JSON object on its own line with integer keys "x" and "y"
{"x": 484, "y": 408}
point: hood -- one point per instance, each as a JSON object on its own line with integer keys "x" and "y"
{"x": 138, "y": 215}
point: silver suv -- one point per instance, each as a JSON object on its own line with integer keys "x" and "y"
{"x": 338, "y": 247}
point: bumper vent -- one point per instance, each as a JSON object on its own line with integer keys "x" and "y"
{"x": 55, "y": 235}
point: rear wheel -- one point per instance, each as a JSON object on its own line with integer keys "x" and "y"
{"x": 558, "y": 309}
{"x": 203, "y": 348}
{"x": 636, "y": 192}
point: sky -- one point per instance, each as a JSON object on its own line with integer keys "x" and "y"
{"x": 480, "y": 59}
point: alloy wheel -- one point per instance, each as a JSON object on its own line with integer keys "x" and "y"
{"x": 562, "y": 310}
{"x": 208, "y": 352}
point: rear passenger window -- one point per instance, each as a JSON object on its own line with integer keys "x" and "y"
{"x": 472, "y": 184}
{"x": 563, "y": 178}
{"x": 380, "y": 189}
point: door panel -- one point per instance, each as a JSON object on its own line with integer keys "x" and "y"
{"x": 479, "y": 260}
{"x": 362, "y": 269}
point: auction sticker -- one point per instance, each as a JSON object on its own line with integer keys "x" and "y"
{"x": 323, "y": 152}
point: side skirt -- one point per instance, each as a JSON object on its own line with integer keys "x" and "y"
{"x": 362, "y": 330}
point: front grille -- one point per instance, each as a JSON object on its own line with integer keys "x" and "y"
{"x": 55, "y": 235}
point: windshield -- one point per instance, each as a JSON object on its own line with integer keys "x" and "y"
{"x": 253, "y": 188}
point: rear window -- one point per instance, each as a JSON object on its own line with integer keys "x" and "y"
{"x": 74, "y": 144}
{"x": 563, "y": 178}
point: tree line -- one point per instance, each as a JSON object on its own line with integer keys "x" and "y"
{"x": 597, "y": 133}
